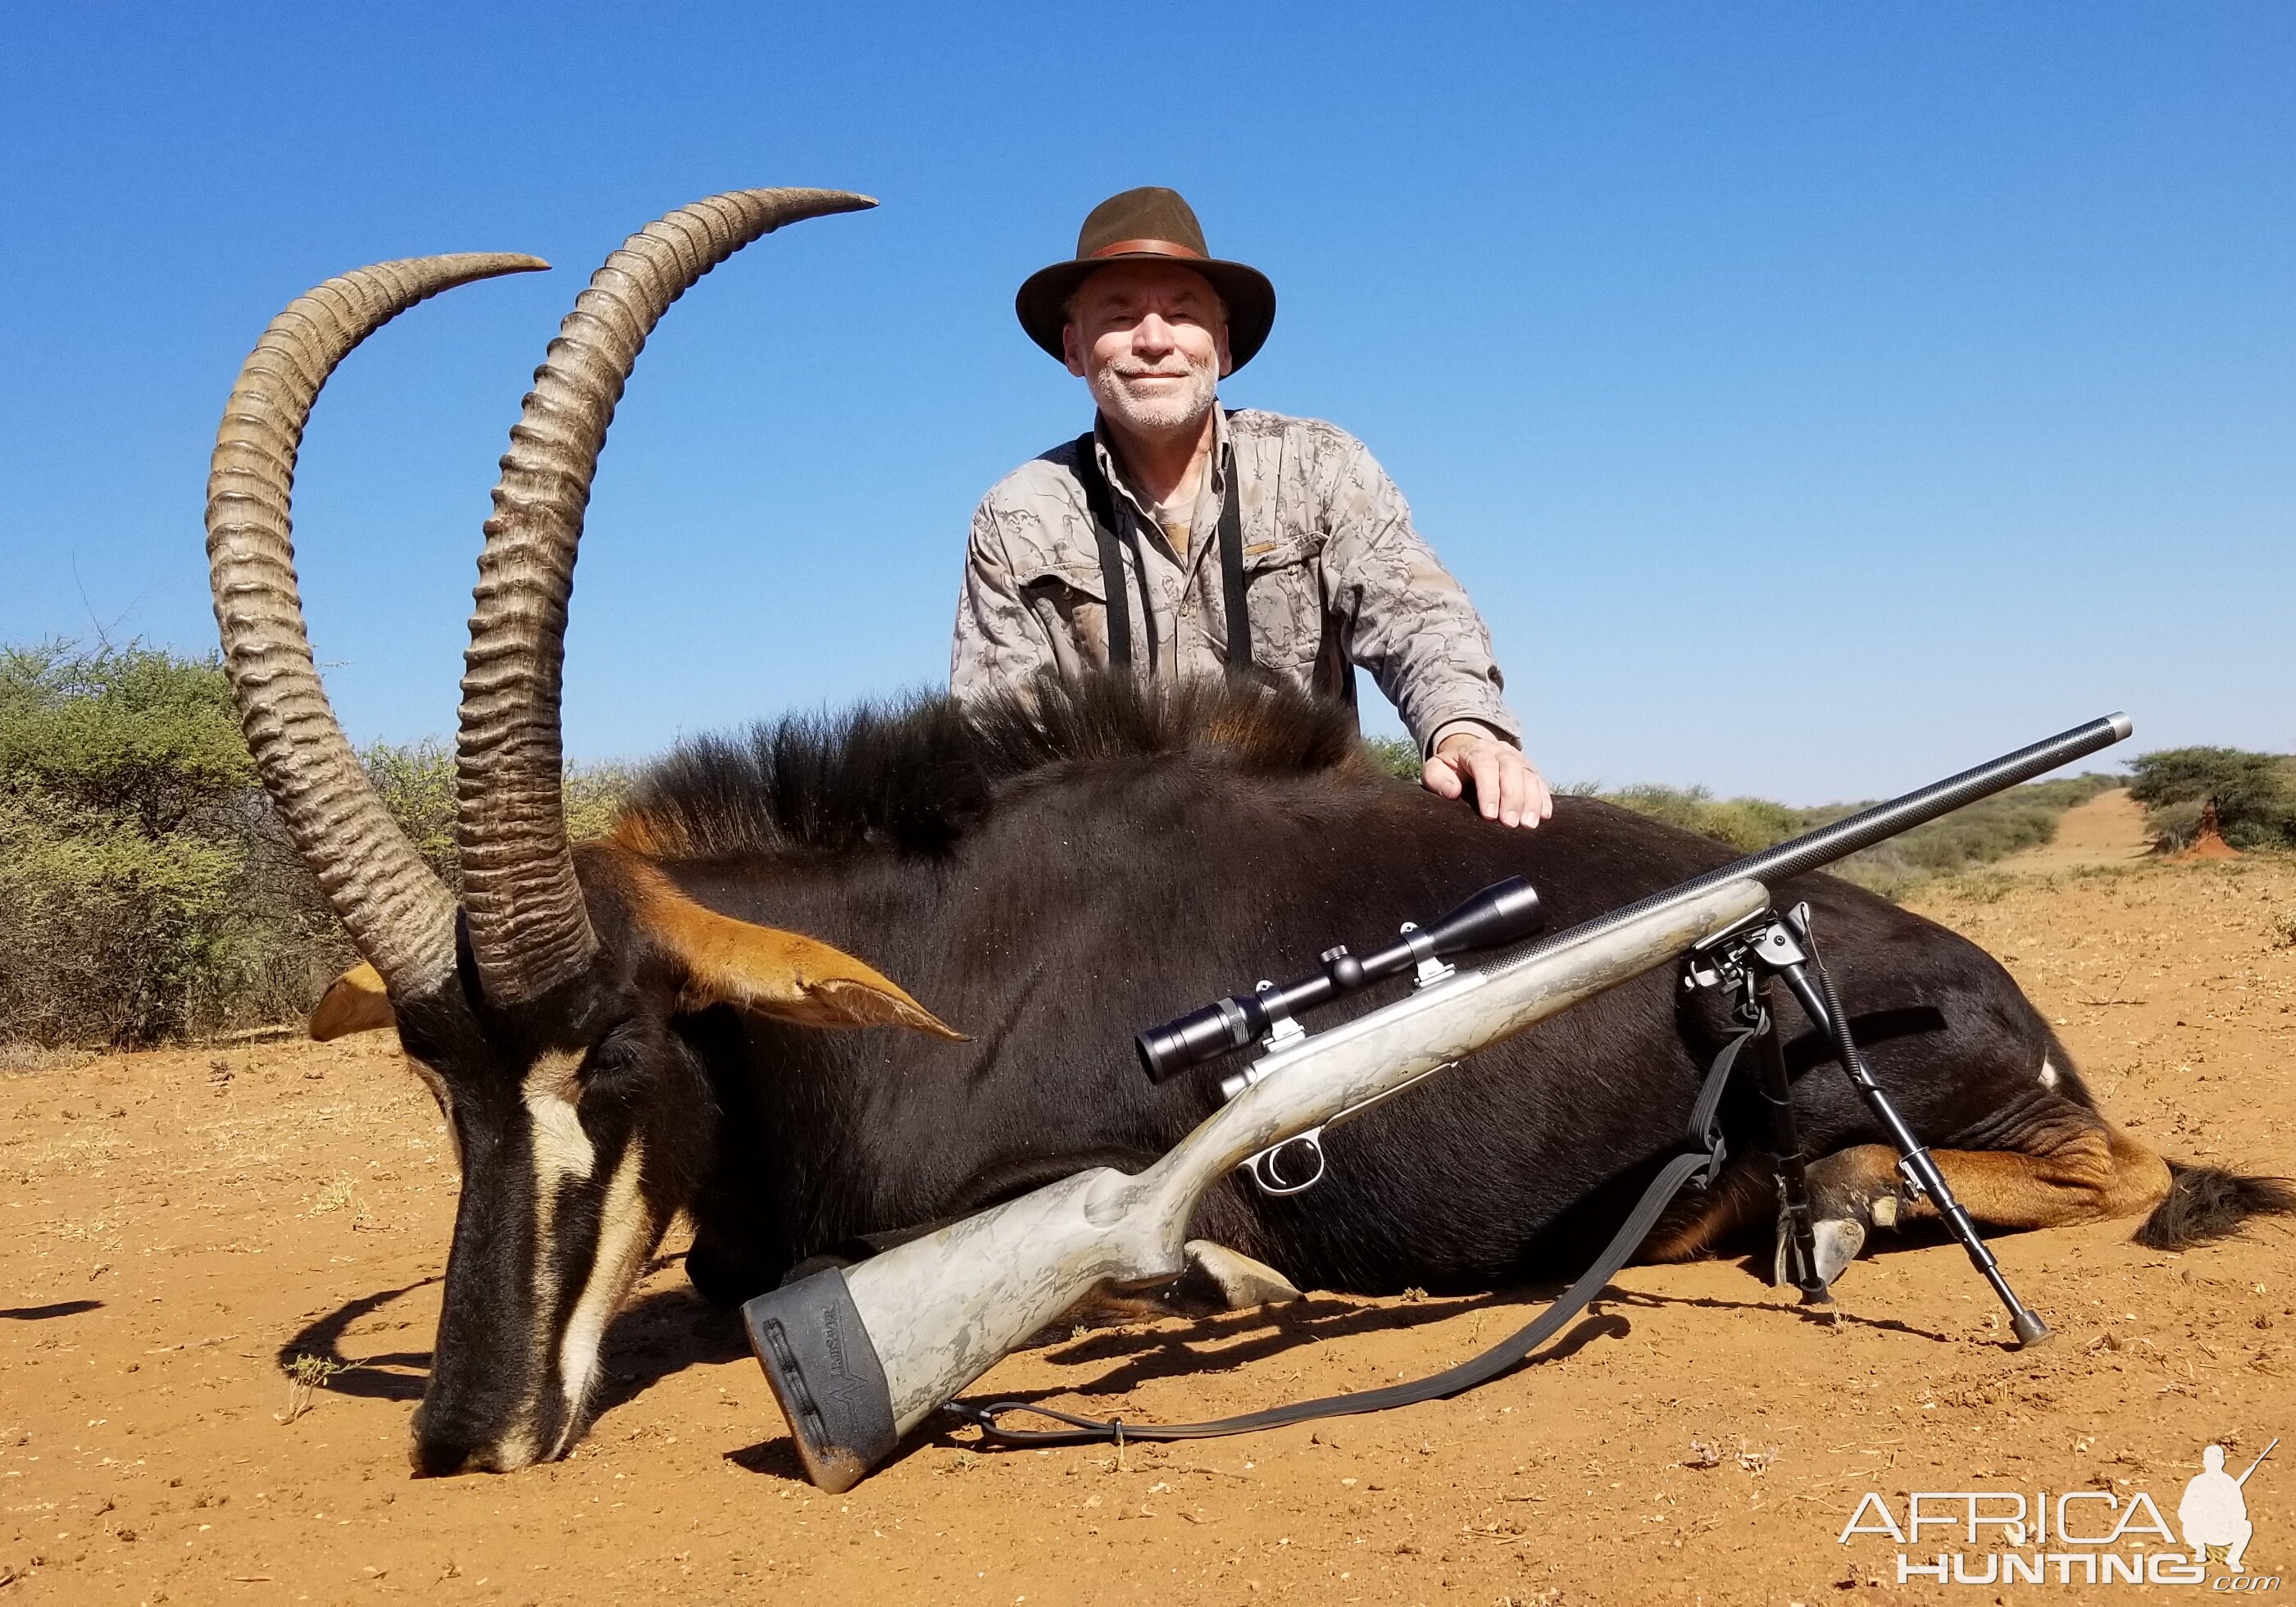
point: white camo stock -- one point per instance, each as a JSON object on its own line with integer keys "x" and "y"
{"x": 942, "y": 1309}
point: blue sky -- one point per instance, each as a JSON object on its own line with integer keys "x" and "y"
{"x": 1816, "y": 398}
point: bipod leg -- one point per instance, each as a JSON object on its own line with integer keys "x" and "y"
{"x": 1821, "y": 1001}
{"x": 1794, "y": 1214}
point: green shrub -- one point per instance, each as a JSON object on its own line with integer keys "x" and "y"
{"x": 1396, "y": 756}
{"x": 416, "y": 783}
{"x": 594, "y": 797}
{"x": 145, "y": 889}
{"x": 129, "y": 732}
{"x": 109, "y": 934}
{"x": 1744, "y": 823}
{"x": 2174, "y": 826}
{"x": 2254, "y": 794}
{"x": 1976, "y": 835}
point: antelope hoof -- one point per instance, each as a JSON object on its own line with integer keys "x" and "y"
{"x": 1229, "y": 1281}
{"x": 1837, "y": 1241}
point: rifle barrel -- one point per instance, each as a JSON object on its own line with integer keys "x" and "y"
{"x": 1814, "y": 850}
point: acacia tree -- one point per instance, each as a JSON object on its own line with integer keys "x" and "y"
{"x": 2254, "y": 794}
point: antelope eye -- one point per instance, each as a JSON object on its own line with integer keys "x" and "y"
{"x": 620, "y": 1053}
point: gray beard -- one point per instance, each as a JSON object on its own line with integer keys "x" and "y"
{"x": 1158, "y": 416}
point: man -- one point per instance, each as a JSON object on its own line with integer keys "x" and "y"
{"x": 1182, "y": 540}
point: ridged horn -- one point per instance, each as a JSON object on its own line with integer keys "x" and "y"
{"x": 396, "y": 911}
{"x": 530, "y": 931}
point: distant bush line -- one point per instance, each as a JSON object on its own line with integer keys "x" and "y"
{"x": 1991, "y": 829}
{"x": 148, "y": 893}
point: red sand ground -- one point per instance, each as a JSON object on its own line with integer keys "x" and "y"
{"x": 177, "y": 1220}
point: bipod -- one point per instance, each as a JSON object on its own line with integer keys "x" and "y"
{"x": 1779, "y": 949}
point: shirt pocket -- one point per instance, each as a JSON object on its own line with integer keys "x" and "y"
{"x": 1284, "y": 590}
{"x": 1071, "y": 601}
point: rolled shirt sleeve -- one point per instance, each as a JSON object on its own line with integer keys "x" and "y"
{"x": 1414, "y": 629}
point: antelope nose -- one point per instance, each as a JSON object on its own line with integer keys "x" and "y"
{"x": 439, "y": 1450}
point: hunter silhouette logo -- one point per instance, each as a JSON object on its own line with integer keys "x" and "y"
{"x": 2078, "y": 1536}
{"x": 2214, "y": 1512}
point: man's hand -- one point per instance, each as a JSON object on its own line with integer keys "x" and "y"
{"x": 1507, "y": 789}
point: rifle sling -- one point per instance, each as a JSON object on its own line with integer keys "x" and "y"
{"x": 1706, "y": 1158}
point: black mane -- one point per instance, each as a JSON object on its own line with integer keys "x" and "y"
{"x": 913, "y": 774}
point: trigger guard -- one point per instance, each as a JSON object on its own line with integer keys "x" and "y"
{"x": 1272, "y": 1181}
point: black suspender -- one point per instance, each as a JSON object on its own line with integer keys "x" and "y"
{"x": 1100, "y": 502}
{"x": 1231, "y": 578}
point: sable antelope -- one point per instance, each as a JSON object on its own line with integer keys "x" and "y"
{"x": 697, "y": 1013}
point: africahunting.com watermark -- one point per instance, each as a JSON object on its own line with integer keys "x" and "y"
{"x": 2082, "y": 1537}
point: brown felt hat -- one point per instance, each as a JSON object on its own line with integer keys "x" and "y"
{"x": 1148, "y": 223}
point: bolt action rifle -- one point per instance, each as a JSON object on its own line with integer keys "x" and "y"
{"x": 859, "y": 1356}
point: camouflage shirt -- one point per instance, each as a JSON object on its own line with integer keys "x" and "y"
{"x": 1336, "y": 577}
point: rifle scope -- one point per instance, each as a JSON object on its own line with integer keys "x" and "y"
{"x": 1503, "y": 913}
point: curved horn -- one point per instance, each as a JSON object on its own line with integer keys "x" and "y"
{"x": 530, "y": 931}
{"x": 399, "y": 915}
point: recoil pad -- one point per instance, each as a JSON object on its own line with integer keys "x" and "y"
{"x": 826, "y": 1374}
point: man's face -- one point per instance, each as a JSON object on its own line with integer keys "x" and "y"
{"x": 1150, "y": 339}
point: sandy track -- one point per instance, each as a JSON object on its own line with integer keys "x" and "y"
{"x": 178, "y": 1222}
{"x": 2108, "y": 831}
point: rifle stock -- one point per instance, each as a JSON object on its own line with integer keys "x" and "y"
{"x": 858, "y": 1357}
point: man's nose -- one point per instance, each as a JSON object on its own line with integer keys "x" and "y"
{"x": 1151, "y": 336}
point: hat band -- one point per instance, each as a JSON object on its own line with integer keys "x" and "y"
{"x": 1148, "y": 247}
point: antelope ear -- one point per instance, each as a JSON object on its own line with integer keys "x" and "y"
{"x": 354, "y": 1001}
{"x": 784, "y": 974}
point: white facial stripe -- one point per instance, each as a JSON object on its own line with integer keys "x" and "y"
{"x": 625, "y": 1235}
{"x": 561, "y": 1149}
